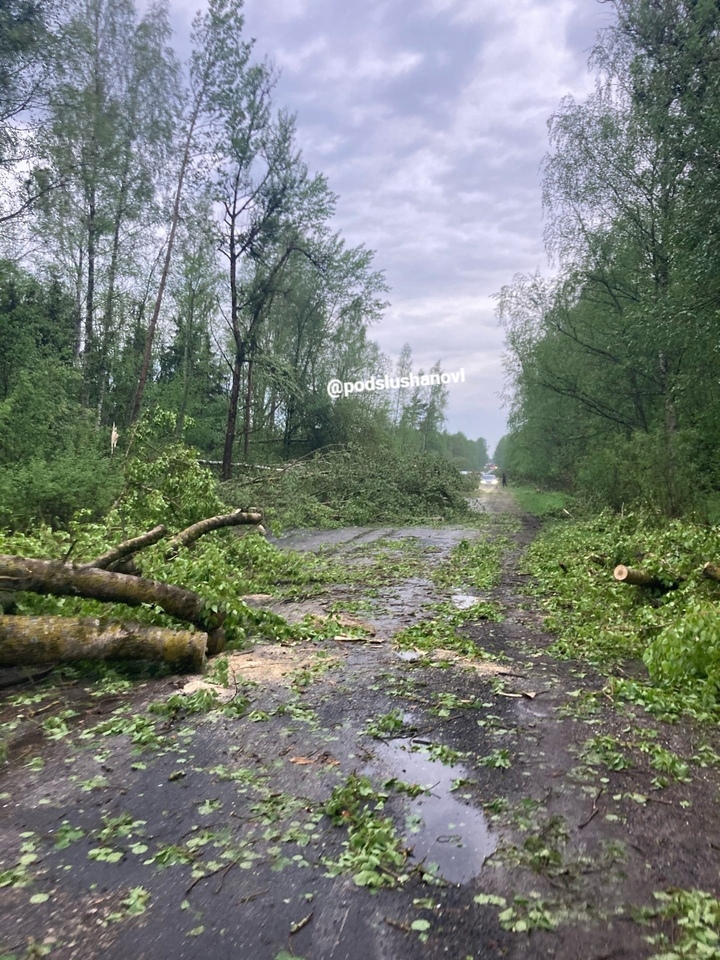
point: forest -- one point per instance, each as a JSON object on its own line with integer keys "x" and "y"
{"x": 613, "y": 358}
{"x": 164, "y": 248}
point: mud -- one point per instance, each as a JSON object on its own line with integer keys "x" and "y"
{"x": 220, "y": 824}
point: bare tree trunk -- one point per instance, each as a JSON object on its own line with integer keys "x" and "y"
{"x": 152, "y": 327}
{"x": 191, "y": 534}
{"x": 90, "y": 293}
{"x": 35, "y": 640}
{"x": 231, "y": 426}
{"x": 248, "y": 407}
{"x": 125, "y": 549}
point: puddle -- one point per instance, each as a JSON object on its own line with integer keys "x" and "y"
{"x": 445, "y": 831}
{"x": 463, "y": 601}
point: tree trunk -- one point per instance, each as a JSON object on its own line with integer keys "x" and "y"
{"x": 638, "y": 578}
{"x": 32, "y": 640}
{"x": 248, "y": 407}
{"x": 231, "y": 426}
{"x": 63, "y": 579}
{"x": 147, "y": 355}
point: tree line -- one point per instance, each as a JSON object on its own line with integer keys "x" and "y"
{"x": 614, "y": 359}
{"x": 164, "y": 244}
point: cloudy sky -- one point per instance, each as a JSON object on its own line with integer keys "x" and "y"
{"x": 429, "y": 119}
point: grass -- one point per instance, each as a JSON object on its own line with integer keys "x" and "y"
{"x": 542, "y": 503}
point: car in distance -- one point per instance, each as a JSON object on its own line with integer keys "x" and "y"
{"x": 488, "y": 480}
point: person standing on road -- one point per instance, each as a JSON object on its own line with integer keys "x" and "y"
{"x": 504, "y": 479}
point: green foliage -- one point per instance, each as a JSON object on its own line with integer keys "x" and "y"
{"x": 605, "y": 751}
{"x": 373, "y": 852}
{"x": 676, "y": 632}
{"x": 524, "y": 914}
{"x": 203, "y": 701}
{"x": 695, "y": 916}
{"x": 614, "y": 361}
{"x": 686, "y": 653}
{"x": 385, "y": 725}
{"x": 472, "y": 563}
{"x": 51, "y": 464}
{"x": 357, "y": 485}
{"x": 164, "y": 481}
{"x": 545, "y": 504}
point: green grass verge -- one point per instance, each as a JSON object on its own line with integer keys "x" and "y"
{"x": 542, "y": 503}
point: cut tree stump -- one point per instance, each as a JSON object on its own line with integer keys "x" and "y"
{"x": 638, "y": 578}
{"x": 38, "y": 640}
{"x": 63, "y": 579}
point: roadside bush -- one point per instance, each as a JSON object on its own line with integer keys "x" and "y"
{"x": 52, "y": 462}
{"x": 649, "y": 470}
{"x": 53, "y": 491}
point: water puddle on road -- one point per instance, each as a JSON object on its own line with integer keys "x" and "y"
{"x": 443, "y": 830}
{"x": 463, "y": 601}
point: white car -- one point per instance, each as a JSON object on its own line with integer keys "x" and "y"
{"x": 488, "y": 480}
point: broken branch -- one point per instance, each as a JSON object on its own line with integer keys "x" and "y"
{"x": 197, "y": 530}
{"x": 125, "y": 549}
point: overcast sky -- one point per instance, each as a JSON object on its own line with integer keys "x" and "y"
{"x": 429, "y": 119}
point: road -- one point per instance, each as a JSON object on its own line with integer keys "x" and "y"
{"x": 466, "y": 760}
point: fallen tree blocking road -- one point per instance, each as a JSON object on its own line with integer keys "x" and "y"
{"x": 38, "y": 640}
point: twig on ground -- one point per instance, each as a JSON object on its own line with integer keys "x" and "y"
{"x": 595, "y": 809}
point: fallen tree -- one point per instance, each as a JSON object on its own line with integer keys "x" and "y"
{"x": 39, "y": 640}
{"x": 188, "y": 536}
{"x": 126, "y": 549}
{"x": 113, "y": 577}
{"x": 53, "y": 577}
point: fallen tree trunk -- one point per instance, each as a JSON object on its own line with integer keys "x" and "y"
{"x": 37, "y": 640}
{"x": 197, "y": 530}
{"x": 711, "y": 571}
{"x": 125, "y": 549}
{"x": 63, "y": 579}
{"x": 638, "y": 578}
